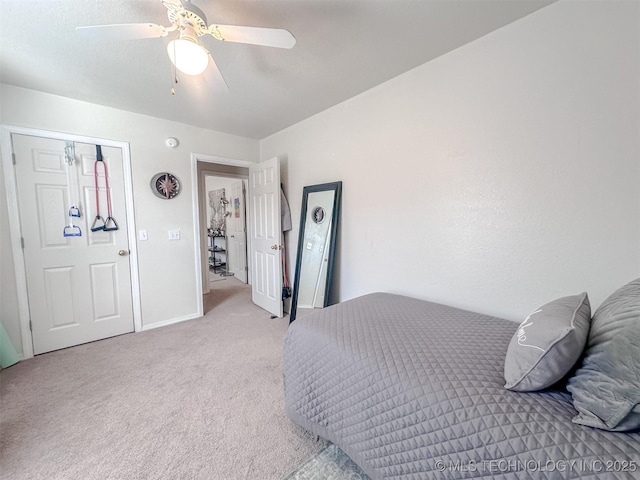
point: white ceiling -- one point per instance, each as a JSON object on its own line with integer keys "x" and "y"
{"x": 344, "y": 47}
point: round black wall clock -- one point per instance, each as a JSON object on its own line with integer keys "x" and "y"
{"x": 318, "y": 215}
{"x": 165, "y": 185}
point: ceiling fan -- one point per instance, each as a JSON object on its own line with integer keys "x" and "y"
{"x": 189, "y": 23}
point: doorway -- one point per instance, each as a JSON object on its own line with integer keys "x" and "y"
{"x": 223, "y": 230}
{"x": 225, "y": 201}
{"x": 264, "y": 262}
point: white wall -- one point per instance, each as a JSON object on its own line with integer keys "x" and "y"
{"x": 497, "y": 177}
{"x": 167, "y": 269}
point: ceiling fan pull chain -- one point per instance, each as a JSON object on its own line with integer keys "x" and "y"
{"x": 174, "y": 81}
{"x": 174, "y": 72}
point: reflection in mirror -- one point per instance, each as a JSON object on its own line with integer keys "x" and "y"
{"x": 316, "y": 247}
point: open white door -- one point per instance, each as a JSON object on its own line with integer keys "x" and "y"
{"x": 265, "y": 231}
{"x": 237, "y": 231}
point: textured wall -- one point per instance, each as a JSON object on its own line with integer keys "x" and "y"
{"x": 496, "y": 177}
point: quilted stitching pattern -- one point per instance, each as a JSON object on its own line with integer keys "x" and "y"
{"x": 400, "y": 384}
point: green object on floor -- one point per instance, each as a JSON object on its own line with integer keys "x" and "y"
{"x": 8, "y": 354}
{"x": 330, "y": 463}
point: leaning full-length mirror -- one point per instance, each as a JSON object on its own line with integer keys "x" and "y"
{"x": 316, "y": 247}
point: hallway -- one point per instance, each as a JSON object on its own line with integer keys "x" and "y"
{"x": 225, "y": 290}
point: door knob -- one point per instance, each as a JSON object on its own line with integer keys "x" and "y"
{"x": 122, "y": 253}
{"x": 274, "y": 247}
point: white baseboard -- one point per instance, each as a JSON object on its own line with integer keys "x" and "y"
{"x": 171, "y": 321}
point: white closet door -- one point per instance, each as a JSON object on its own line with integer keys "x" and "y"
{"x": 79, "y": 287}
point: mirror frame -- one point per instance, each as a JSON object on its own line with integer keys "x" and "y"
{"x": 336, "y": 187}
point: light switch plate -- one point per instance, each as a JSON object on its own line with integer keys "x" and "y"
{"x": 142, "y": 235}
{"x": 174, "y": 234}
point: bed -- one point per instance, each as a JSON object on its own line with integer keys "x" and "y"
{"x": 415, "y": 390}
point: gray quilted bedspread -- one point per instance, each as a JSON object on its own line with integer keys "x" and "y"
{"x": 414, "y": 390}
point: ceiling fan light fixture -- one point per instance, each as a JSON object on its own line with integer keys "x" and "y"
{"x": 188, "y": 56}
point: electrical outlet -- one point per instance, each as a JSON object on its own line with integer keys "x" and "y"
{"x": 142, "y": 235}
{"x": 174, "y": 234}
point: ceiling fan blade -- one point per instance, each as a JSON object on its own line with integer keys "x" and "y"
{"x": 125, "y": 31}
{"x": 268, "y": 37}
{"x": 175, "y": 5}
{"x": 213, "y": 76}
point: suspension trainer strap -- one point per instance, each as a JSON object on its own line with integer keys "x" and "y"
{"x": 98, "y": 222}
{"x": 110, "y": 223}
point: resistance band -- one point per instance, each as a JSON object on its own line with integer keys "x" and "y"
{"x": 109, "y": 224}
{"x": 71, "y": 230}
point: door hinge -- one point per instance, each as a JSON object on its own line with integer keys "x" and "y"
{"x": 246, "y": 269}
{"x": 22, "y": 242}
{"x": 13, "y": 158}
{"x": 30, "y": 326}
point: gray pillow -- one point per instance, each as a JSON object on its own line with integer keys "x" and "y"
{"x": 606, "y": 388}
{"x": 547, "y": 344}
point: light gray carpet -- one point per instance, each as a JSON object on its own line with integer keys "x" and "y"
{"x": 201, "y": 399}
